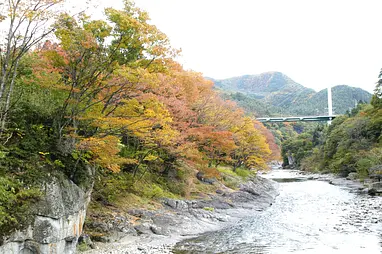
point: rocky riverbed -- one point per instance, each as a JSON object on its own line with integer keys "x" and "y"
{"x": 312, "y": 214}
{"x": 157, "y": 231}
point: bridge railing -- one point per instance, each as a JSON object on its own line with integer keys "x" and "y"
{"x": 296, "y": 119}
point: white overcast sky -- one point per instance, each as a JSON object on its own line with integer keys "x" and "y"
{"x": 318, "y": 43}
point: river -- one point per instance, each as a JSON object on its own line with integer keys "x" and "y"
{"x": 309, "y": 216}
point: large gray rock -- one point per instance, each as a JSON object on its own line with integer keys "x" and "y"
{"x": 58, "y": 221}
{"x": 352, "y": 176}
{"x": 376, "y": 172}
{"x": 375, "y": 188}
{"x": 255, "y": 193}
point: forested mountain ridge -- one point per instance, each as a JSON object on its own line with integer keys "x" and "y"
{"x": 274, "y": 93}
{"x": 262, "y": 84}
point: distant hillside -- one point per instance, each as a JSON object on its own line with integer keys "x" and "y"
{"x": 274, "y": 93}
{"x": 252, "y": 105}
{"x": 344, "y": 98}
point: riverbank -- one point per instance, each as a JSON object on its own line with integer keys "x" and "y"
{"x": 309, "y": 216}
{"x": 157, "y": 231}
{"x": 369, "y": 186}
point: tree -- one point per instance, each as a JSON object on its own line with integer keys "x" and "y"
{"x": 28, "y": 26}
{"x": 252, "y": 150}
{"x": 376, "y": 101}
{"x": 100, "y": 64}
{"x": 275, "y": 150}
{"x": 216, "y": 145}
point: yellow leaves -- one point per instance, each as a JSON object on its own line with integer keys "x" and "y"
{"x": 190, "y": 152}
{"x": 134, "y": 78}
{"x": 256, "y": 161}
{"x": 104, "y": 152}
{"x": 124, "y": 86}
{"x": 252, "y": 145}
{"x": 147, "y": 119}
{"x": 150, "y": 157}
{"x": 99, "y": 28}
{"x": 132, "y": 24}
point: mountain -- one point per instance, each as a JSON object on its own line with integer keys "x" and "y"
{"x": 274, "y": 88}
{"x": 344, "y": 98}
{"x": 274, "y": 93}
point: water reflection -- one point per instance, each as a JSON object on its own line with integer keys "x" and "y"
{"x": 308, "y": 217}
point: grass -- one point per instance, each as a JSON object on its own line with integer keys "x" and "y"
{"x": 210, "y": 209}
{"x": 200, "y": 189}
{"x": 82, "y": 247}
{"x": 232, "y": 179}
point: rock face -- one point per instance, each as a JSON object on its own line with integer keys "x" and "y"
{"x": 57, "y": 224}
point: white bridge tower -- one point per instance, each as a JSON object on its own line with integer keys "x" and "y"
{"x": 330, "y": 104}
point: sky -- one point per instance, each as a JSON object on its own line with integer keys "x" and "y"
{"x": 317, "y": 43}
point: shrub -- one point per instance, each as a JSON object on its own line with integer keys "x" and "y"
{"x": 15, "y": 202}
{"x": 244, "y": 173}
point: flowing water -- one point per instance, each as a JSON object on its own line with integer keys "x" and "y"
{"x": 309, "y": 216}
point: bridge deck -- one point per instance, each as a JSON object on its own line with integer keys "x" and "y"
{"x": 296, "y": 119}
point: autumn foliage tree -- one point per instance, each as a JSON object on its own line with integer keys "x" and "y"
{"x": 101, "y": 67}
{"x": 253, "y": 149}
{"x": 124, "y": 103}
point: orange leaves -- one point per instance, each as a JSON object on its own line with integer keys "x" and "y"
{"x": 104, "y": 152}
{"x": 211, "y": 141}
{"x": 362, "y": 113}
{"x": 119, "y": 82}
{"x": 217, "y": 112}
{"x": 190, "y": 152}
{"x": 270, "y": 139}
{"x": 210, "y": 172}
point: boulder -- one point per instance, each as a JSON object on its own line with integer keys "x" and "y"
{"x": 203, "y": 178}
{"x": 376, "y": 172}
{"x": 352, "y": 176}
{"x": 375, "y": 188}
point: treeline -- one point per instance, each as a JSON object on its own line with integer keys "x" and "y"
{"x": 107, "y": 95}
{"x": 351, "y": 144}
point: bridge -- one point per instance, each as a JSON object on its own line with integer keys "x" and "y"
{"x": 327, "y": 118}
{"x": 296, "y": 119}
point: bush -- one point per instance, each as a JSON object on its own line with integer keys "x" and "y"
{"x": 232, "y": 179}
{"x": 15, "y": 202}
{"x": 226, "y": 171}
{"x": 82, "y": 247}
{"x": 244, "y": 173}
{"x": 153, "y": 191}
{"x": 363, "y": 166}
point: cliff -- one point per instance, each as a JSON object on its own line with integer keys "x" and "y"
{"x": 58, "y": 220}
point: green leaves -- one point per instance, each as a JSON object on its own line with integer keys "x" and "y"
{"x": 15, "y": 200}
{"x": 350, "y": 144}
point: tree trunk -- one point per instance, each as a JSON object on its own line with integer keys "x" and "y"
{"x": 8, "y": 101}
